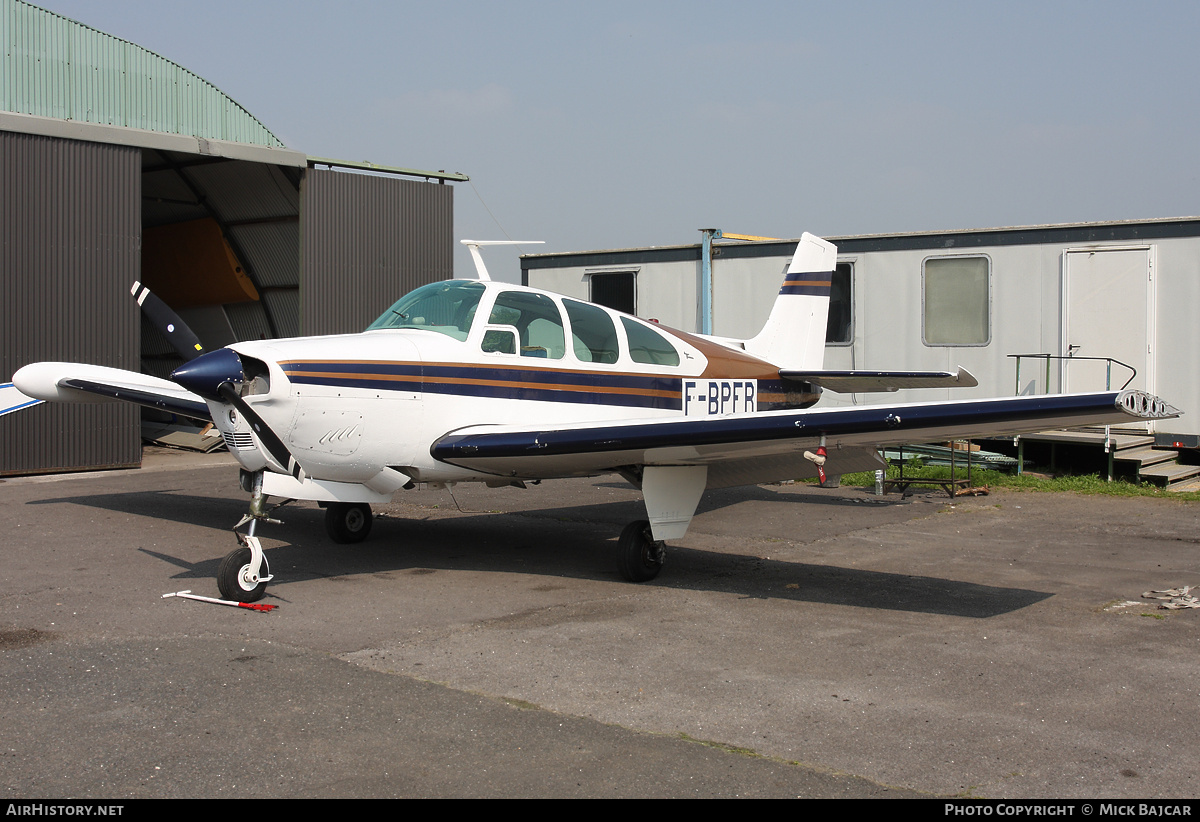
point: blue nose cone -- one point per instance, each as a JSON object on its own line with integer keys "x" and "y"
{"x": 204, "y": 374}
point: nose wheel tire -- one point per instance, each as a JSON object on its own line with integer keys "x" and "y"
{"x": 236, "y": 582}
{"x": 348, "y": 522}
{"x": 639, "y": 557}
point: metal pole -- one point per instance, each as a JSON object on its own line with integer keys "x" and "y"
{"x": 707, "y": 236}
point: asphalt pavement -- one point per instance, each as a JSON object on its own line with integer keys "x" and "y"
{"x": 799, "y": 642}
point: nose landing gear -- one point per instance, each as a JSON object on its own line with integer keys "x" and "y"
{"x": 241, "y": 578}
{"x": 244, "y": 573}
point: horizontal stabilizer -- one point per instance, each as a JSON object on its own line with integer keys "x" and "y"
{"x": 854, "y": 382}
{"x": 76, "y": 382}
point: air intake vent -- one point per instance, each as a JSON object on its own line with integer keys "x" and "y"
{"x": 239, "y": 441}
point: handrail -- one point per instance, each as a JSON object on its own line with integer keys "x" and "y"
{"x": 1068, "y": 358}
{"x": 1107, "y": 387}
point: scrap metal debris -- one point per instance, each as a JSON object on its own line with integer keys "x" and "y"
{"x": 1174, "y": 598}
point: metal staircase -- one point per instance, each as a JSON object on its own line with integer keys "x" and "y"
{"x": 1136, "y": 453}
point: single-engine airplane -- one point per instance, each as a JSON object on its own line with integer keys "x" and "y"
{"x": 481, "y": 381}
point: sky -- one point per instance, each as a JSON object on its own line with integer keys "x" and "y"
{"x": 612, "y": 124}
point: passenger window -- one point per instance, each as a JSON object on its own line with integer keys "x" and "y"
{"x": 593, "y": 335}
{"x": 537, "y": 321}
{"x": 647, "y": 345}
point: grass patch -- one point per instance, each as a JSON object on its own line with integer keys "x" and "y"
{"x": 1080, "y": 484}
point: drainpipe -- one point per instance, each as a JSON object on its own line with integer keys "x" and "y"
{"x": 706, "y": 314}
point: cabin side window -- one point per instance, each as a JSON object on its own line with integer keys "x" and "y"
{"x": 536, "y": 320}
{"x": 957, "y": 301}
{"x": 839, "y": 328}
{"x": 593, "y": 335}
{"x": 647, "y": 345}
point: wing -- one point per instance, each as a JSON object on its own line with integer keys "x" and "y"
{"x": 764, "y": 447}
{"x": 75, "y": 382}
{"x": 850, "y": 382}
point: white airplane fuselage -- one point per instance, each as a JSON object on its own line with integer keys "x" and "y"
{"x": 352, "y": 406}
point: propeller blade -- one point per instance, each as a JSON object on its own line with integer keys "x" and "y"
{"x": 270, "y": 440}
{"x": 181, "y": 338}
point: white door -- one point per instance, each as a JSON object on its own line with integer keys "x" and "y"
{"x": 1108, "y": 312}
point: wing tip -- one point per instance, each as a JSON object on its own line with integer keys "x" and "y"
{"x": 1145, "y": 405}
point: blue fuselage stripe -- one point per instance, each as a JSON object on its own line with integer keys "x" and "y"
{"x": 546, "y": 385}
{"x": 626, "y": 390}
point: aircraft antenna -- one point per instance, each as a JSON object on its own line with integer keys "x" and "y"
{"x": 474, "y": 245}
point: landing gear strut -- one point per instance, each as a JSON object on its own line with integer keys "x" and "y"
{"x": 244, "y": 573}
{"x": 639, "y": 557}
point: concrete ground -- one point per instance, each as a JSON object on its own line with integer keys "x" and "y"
{"x": 818, "y": 642}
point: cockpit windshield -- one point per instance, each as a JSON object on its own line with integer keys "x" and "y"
{"x": 446, "y": 307}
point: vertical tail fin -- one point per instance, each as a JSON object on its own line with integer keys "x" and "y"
{"x": 794, "y": 335}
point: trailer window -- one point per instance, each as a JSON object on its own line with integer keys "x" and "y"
{"x": 957, "y": 301}
{"x": 839, "y": 328}
{"x": 614, "y": 289}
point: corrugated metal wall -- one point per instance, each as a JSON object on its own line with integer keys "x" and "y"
{"x": 366, "y": 241}
{"x": 70, "y": 237}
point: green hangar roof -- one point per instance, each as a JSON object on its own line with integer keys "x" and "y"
{"x": 53, "y": 66}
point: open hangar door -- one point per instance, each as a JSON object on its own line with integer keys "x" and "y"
{"x": 249, "y": 251}
{"x": 218, "y": 238}
{"x": 220, "y": 245}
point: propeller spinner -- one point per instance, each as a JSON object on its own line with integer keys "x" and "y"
{"x": 219, "y": 376}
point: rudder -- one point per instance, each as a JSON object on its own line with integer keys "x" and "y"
{"x": 794, "y": 334}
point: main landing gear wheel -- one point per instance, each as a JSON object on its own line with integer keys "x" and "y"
{"x": 348, "y": 522}
{"x": 235, "y": 581}
{"x": 639, "y": 557}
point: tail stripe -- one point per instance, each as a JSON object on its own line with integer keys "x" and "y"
{"x": 817, "y": 283}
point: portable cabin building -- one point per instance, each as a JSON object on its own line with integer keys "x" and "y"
{"x": 1095, "y": 304}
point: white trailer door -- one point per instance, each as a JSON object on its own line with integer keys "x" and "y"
{"x": 1108, "y": 312}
